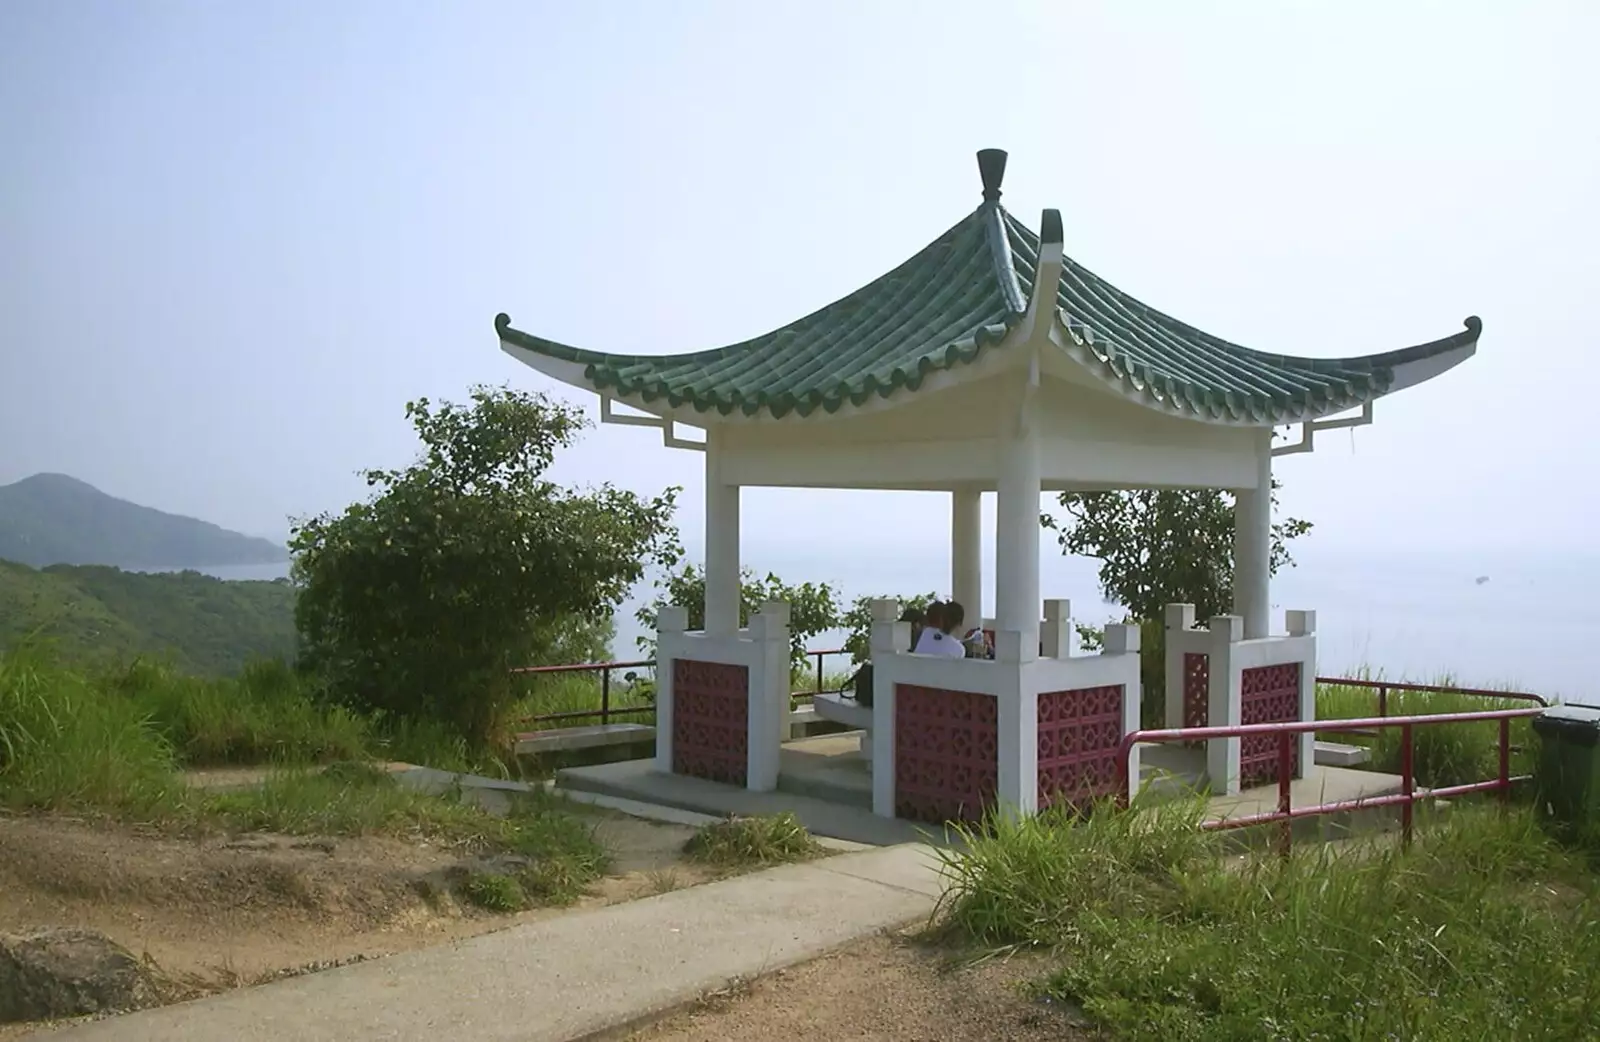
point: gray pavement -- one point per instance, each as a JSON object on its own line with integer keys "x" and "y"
{"x": 572, "y": 975}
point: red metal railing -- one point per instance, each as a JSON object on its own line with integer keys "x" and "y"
{"x": 1287, "y": 813}
{"x": 606, "y": 712}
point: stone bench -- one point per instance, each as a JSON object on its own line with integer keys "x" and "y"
{"x": 847, "y": 711}
{"x": 1335, "y": 754}
{"x": 595, "y": 736}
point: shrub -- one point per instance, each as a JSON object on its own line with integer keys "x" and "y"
{"x": 419, "y": 601}
{"x": 267, "y": 714}
{"x": 752, "y": 841}
{"x": 495, "y": 892}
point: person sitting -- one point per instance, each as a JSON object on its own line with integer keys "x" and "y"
{"x": 940, "y": 622}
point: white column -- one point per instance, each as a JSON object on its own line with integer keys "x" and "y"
{"x": 1252, "y": 546}
{"x": 671, "y": 621}
{"x": 768, "y": 695}
{"x": 1016, "y": 571}
{"x": 722, "y": 543}
{"x": 1225, "y": 699}
{"x": 966, "y": 551}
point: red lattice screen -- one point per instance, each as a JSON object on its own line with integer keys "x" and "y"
{"x": 1196, "y": 692}
{"x": 710, "y": 720}
{"x": 946, "y": 754}
{"x": 1268, "y": 695}
{"x": 1079, "y": 732}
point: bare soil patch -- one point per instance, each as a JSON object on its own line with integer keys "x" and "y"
{"x": 884, "y": 989}
{"x": 222, "y": 911}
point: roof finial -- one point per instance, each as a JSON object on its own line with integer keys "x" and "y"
{"x": 992, "y": 168}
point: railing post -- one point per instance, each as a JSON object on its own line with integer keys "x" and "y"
{"x": 1383, "y": 700}
{"x": 1505, "y": 761}
{"x": 1407, "y": 785}
{"x": 819, "y": 672}
{"x": 605, "y": 696}
{"x": 1285, "y": 800}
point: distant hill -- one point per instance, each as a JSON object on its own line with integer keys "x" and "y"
{"x": 98, "y": 615}
{"x": 54, "y": 519}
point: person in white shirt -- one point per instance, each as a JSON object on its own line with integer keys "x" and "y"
{"x": 938, "y": 631}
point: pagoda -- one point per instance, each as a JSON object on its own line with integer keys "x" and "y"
{"x": 989, "y": 361}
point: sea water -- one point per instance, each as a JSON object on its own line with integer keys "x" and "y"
{"x": 1517, "y": 618}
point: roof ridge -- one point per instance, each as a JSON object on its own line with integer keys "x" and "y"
{"x": 1005, "y": 270}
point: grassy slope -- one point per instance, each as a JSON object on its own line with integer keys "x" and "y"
{"x": 102, "y": 615}
{"x": 1485, "y": 929}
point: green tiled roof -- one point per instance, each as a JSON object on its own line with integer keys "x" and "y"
{"x": 957, "y": 298}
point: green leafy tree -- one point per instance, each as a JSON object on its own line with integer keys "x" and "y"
{"x": 1163, "y": 546}
{"x": 857, "y": 622}
{"x": 1158, "y": 547}
{"x": 813, "y": 607}
{"x": 469, "y": 562}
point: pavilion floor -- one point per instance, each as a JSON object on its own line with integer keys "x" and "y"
{"x": 826, "y": 783}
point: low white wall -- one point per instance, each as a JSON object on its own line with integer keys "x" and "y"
{"x": 1015, "y": 678}
{"x": 763, "y": 649}
{"x": 1228, "y": 656}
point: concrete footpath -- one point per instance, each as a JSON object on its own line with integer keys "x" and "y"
{"x": 569, "y": 976}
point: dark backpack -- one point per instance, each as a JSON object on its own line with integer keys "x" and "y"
{"x": 861, "y": 685}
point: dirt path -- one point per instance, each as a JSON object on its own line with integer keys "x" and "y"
{"x": 220, "y": 912}
{"x": 881, "y": 990}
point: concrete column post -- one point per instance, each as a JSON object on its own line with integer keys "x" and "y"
{"x": 768, "y": 696}
{"x": 1252, "y": 546}
{"x": 1179, "y": 620}
{"x": 966, "y": 551}
{"x": 1304, "y": 624}
{"x": 671, "y": 621}
{"x": 1226, "y": 698}
{"x": 722, "y": 542}
{"x": 890, "y": 638}
{"x": 1123, "y": 639}
{"x": 1016, "y": 724}
{"x": 1017, "y": 539}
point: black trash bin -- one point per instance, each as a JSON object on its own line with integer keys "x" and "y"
{"x": 1568, "y": 771}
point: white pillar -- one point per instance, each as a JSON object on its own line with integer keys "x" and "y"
{"x": 966, "y": 551}
{"x": 1016, "y": 572}
{"x": 722, "y": 543}
{"x": 1252, "y": 546}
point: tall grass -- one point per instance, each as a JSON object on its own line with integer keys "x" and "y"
{"x": 1443, "y": 754}
{"x": 265, "y": 715}
{"x": 64, "y": 745}
{"x": 1483, "y": 929}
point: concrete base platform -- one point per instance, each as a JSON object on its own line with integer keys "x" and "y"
{"x": 827, "y": 784}
{"x": 846, "y": 819}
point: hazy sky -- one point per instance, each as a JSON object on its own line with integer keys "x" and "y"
{"x": 236, "y": 237}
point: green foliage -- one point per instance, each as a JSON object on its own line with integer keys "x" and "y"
{"x": 1160, "y": 547}
{"x": 813, "y": 607}
{"x": 1442, "y": 754}
{"x": 267, "y": 715}
{"x": 1483, "y": 929}
{"x": 54, "y": 519}
{"x": 467, "y": 563}
{"x": 857, "y": 622}
{"x": 102, "y": 616}
{"x": 751, "y": 841}
{"x": 496, "y": 892}
{"x": 65, "y": 745}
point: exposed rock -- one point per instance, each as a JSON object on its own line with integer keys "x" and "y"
{"x": 69, "y": 972}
